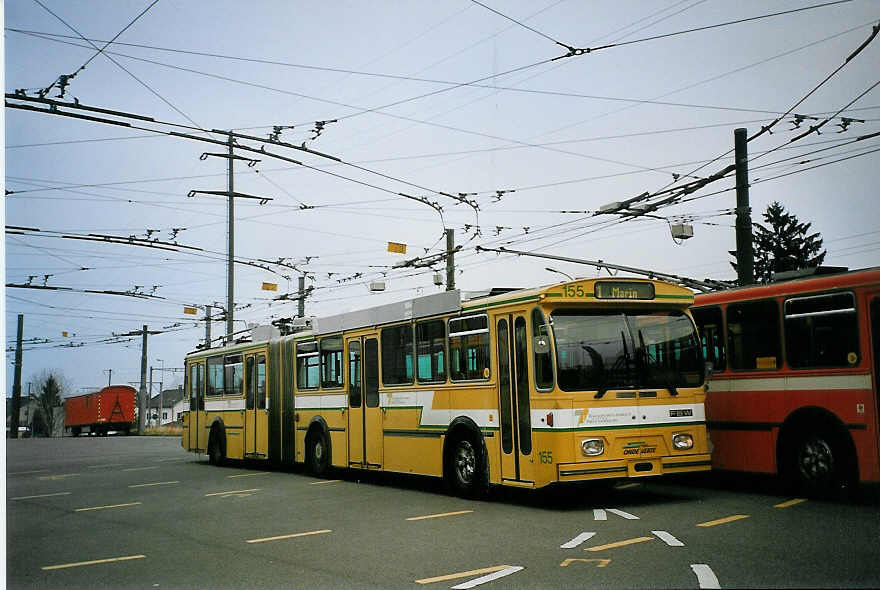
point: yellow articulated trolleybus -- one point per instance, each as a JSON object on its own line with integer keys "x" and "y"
{"x": 589, "y": 379}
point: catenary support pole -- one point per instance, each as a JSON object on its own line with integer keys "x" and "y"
{"x": 301, "y": 307}
{"x": 745, "y": 254}
{"x": 207, "y": 326}
{"x": 142, "y": 394}
{"x": 16, "y": 383}
{"x": 450, "y": 260}
{"x": 230, "y": 277}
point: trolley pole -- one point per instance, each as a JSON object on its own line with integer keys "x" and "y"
{"x": 745, "y": 254}
{"x": 16, "y": 384}
{"x": 230, "y": 288}
{"x": 142, "y": 395}
{"x": 450, "y": 260}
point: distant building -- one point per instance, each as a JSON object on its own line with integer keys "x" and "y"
{"x": 173, "y": 405}
{"x": 26, "y": 412}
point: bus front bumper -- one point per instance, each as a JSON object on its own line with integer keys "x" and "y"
{"x": 634, "y": 467}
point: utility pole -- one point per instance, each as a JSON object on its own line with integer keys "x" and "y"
{"x": 161, "y": 382}
{"x": 207, "y": 326}
{"x": 301, "y": 307}
{"x": 230, "y": 282}
{"x": 450, "y": 259}
{"x": 745, "y": 253}
{"x": 150, "y": 396}
{"x": 16, "y": 384}
{"x": 142, "y": 405}
{"x": 109, "y": 377}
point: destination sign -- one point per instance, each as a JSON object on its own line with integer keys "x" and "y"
{"x": 623, "y": 290}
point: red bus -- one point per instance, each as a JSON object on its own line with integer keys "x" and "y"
{"x": 794, "y": 384}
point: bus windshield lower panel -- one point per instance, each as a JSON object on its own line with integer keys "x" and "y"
{"x": 598, "y": 351}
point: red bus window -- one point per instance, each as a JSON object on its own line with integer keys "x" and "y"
{"x": 821, "y": 331}
{"x": 753, "y": 335}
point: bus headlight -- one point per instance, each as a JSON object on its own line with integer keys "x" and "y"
{"x": 592, "y": 447}
{"x": 682, "y": 442}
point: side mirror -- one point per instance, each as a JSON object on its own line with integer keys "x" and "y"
{"x": 541, "y": 344}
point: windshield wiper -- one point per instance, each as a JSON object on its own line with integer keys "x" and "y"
{"x": 668, "y": 380}
{"x": 596, "y": 361}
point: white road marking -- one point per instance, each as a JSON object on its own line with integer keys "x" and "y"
{"x": 233, "y": 492}
{"x": 577, "y": 541}
{"x": 705, "y": 576}
{"x": 41, "y": 496}
{"x": 599, "y": 514}
{"x": 110, "y": 506}
{"x": 488, "y": 578}
{"x": 668, "y": 539}
{"x": 291, "y": 536}
{"x": 139, "y": 468}
{"x": 158, "y": 483}
{"x": 625, "y": 515}
{"x": 28, "y": 472}
{"x": 93, "y": 562}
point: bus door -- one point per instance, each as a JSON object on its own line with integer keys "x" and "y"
{"x": 196, "y": 405}
{"x": 256, "y": 427}
{"x": 365, "y": 415}
{"x": 874, "y": 302}
{"x": 514, "y": 404}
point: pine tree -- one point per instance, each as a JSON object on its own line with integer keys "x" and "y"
{"x": 48, "y": 398}
{"x": 782, "y": 244}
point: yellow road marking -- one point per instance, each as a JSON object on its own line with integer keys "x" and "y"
{"x": 723, "y": 520}
{"x": 158, "y": 483}
{"x": 440, "y": 515}
{"x": 620, "y": 544}
{"x": 233, "y": 492}
{"x": 281, "y": 537}
{"x": 486, "y": 570}
{"x": 790, "y": 503}
{"x": 110, "y": 506}
{"x": 601, "y": 562}
{"x": 93, "y": 562}
{"x": 103, "y": 466}
{"x": 41, "y": 496}
{"x": 626, "y": 486}
{"x": 318, "y": 483}
{"x": 140, "y": 468}
{"x": 250, "y": 474}
{"x": 28, "y": 472}
{"x": 57, "y": 477}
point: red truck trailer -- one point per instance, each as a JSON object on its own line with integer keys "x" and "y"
{"x": 112, "y": 408}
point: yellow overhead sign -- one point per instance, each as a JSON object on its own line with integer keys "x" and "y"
{"x": 190, "y": 310}
{"x": 270, "y": 286}
{"x": 397, "y": 247}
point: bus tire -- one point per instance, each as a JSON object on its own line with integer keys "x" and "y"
{"x": 318, "y": 452}
{"x": 216, "y": 450}
{"x": 466, "y": 470}
{"x": 818, "y": 462}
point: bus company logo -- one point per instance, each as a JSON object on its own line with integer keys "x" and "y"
{"x": 681, "y": 413}
{"x": 639, "y": 448}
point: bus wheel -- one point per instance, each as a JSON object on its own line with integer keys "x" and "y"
{"x": 318, "y": 453}
{"x": 466, "y": 467}
{"x": 817, "y": 463}
{"x": 215, "y": 448}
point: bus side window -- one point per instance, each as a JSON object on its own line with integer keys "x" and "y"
{"x": 753, "y": 335}
{"x": 709, "y": 325}
{"x": 397, "y": 355}
{"x": 307, "y": 365}
{"x": 331, "y": 362}
{"x": 821, "y": 331}
{"x": 234, "y": 375}
{"x": 431, "y": 351}
{"x": 469, "y": 348}
{"x": 215, "y": 375}
{"x": 543, "y": 353}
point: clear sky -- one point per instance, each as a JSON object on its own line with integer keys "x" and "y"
{"x": 420, "y": 98}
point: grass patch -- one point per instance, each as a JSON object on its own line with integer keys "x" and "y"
{"x": 166, "y": 430}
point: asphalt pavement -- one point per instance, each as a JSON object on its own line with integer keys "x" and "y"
{"x": 140, "y": 512}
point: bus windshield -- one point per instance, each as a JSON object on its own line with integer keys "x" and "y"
{"x": 597, "y": 350}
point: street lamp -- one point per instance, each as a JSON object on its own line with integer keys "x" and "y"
{"x": 559, "y": 272}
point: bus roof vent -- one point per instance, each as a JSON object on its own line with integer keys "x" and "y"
{"x": 812, "y": 271}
